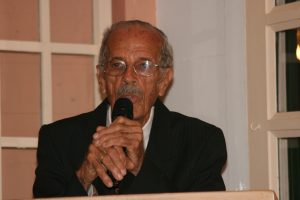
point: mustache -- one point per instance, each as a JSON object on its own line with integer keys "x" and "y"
{"x": 129, "y": 89}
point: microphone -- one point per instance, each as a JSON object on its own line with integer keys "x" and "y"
{"x": 123, "y": 107}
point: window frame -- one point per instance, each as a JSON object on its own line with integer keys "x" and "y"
{"x": 266, "y": 125}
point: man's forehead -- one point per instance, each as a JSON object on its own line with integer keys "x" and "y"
{"x": 135, "y": 31}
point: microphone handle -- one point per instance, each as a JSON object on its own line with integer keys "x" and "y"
{"x": 116, "y": 183}
{"x": 123, "y": 107}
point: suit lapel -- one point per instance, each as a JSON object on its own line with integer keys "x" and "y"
{"x": 98, "y": 116}
{"x": 159, "y": 148}
{"x": 153, "y": 176}
{"x": 80, "y": 141}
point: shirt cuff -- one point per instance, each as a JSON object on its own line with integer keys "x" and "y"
{"x": 91, "y": 191}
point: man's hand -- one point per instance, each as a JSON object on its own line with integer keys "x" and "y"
{"x": 116, "y": 148}
{"x": 98, "y": 161}
{"x": 123, "y": 140}
{"x": 91, "y": 168}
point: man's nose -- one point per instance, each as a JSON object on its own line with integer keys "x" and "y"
{"x": 130, "y": 75}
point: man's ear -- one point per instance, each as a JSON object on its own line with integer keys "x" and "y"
{"x": 166, "y": 80}
{"x": 101, "y": 81}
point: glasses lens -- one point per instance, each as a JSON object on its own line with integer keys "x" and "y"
{"x": 145, "y": 67}
{"x": 115, "y": 67}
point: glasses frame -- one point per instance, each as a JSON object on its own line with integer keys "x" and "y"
{"x": 126, "y": 67}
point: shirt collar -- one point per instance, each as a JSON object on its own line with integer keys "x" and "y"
{"x": 146, "y": 127}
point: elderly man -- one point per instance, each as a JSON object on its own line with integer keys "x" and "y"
{"x": 155, "y": 151}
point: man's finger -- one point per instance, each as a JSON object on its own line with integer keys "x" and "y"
{"x": 119, "y": 158}
{"x": 102, "y": 173}
{"x": 107, "y": 161}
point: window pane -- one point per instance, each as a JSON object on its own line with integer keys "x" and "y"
{"x": 282, "y": 2}
{"x": 288, "y": 70}
{"x": 73, "y": 85}
{"x": 71, "y": 21}
{"x": 19, "y": 20}
{"x": 289, "y": 165}
{"x": 18, "y": 173}
{"x": 20, "y": 94}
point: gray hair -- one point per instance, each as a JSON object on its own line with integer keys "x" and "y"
{"x": 166, "y": 51}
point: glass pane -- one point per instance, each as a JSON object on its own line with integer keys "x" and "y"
{"x": 282, "y": 2}
{"x": 19, "y": 20}
{"x": 73, "y": 85}
{"x": 288, "y": 70}
{"x": 289, "y": 165}
{"x": 18, "y": 173}
{"x": 71, "y": 21}
{"x": 20, "y": 94}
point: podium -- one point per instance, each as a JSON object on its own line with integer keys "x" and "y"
{"x": 229, "y": 195}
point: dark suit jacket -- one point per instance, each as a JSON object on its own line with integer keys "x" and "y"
{"x": 183, "y": 154}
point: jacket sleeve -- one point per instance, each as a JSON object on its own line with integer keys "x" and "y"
{"x": 54, "y": 177}
{"x": 206, "y": 173}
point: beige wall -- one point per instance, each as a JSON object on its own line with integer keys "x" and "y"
{"x": 134, "y": 9}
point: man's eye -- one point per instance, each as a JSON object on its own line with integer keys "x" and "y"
{"x": 144, "y": 65}
{"x": 117, "y": 65}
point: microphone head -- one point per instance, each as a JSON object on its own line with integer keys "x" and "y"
{"x": 123, "y": 107}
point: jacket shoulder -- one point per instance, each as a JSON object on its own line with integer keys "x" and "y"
{"x": 191, "y": 122}
{"x": 192, "y": 133}
{"x": 86, "y": 121}
{"x": 66, "y": 125}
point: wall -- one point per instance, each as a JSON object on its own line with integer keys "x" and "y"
{"x": 208, "y": 38}
{"x": 133, "y": 9}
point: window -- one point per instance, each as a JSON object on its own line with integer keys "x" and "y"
{"x": 274, "y": 95}
{"x": 48, "y": 53}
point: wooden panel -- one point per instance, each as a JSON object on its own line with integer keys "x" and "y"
{"x": 20, "y": 94}
{"x": 19, "y": 20}
{"x": 240, "y": 195}
{"x": 71, "y": 21}
{"x": 73, "y": 80}
{"x": 18, "y": 173}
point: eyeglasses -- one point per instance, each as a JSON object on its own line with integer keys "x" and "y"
{"x": 117, "y": 67}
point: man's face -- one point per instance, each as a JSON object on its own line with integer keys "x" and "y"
{"x": 132, "y": 44}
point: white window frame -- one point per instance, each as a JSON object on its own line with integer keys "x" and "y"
{"x": 266, "y": 125}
